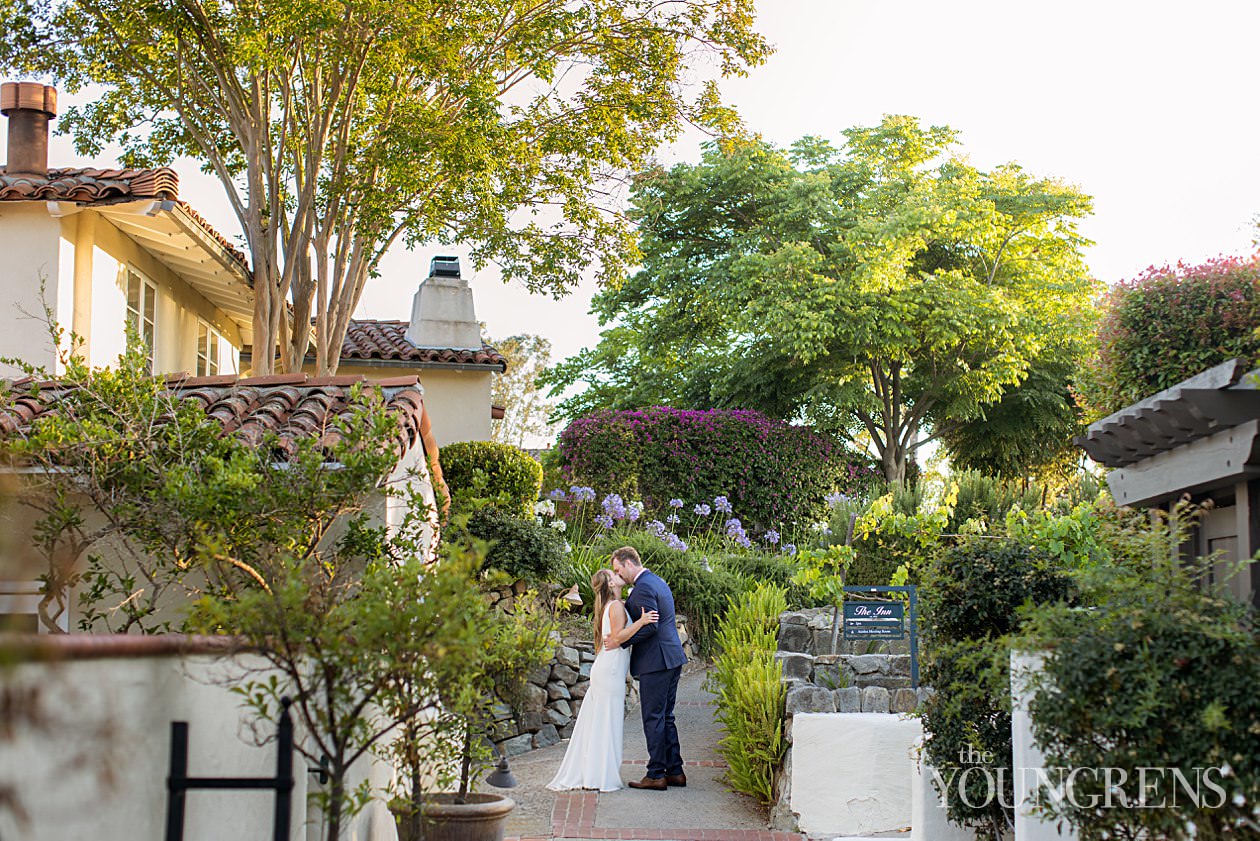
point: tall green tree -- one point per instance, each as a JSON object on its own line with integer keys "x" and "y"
{"x": 338, "y": 127}
{"x": 888, "y": 287}
{"x": 526, "y": 411}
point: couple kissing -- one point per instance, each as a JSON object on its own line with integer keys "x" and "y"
{"x": 638, "y": 635}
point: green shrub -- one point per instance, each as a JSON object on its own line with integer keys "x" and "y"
{"x": 773, "y": 473}
{"x": 987, "y": 498}
{"x": 1160, "y": 675}
{"x": 1169, "y": 324}
{"x": 502, "y": 473}
{"x": 972, "y": 594}
{"x": 759, "y": 568}
{"x": 750, "y": 691}
{"x": 895, "y": 532}
{"x": 521, "y": 548}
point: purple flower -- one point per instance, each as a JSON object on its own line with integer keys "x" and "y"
{"x": 834, "y": 499}
{"x": 673, "y": 541}
{"x": 580, "y": 493}
{"x": 672, "y": 519}
{"x": 703, "y": 510}
{"x": 656, "y": 527}
{"x": 675, "y": 503}
{"x": 614, "y": 507}
{"x": 721, "y": 504}
{"x": 789, "y": 548}
{"x": 604, "y": 521}
{"x": 733, "y": 525}
{"x": 743, "y": 540}
{"x": 634, "y": 511}
{"x": 772, "y": 537}
{"x": 556, "y": 496}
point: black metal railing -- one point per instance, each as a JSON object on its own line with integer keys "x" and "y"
{"x": 178, "y": 783}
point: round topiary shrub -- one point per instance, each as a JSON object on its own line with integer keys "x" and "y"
{"x": 504, "y": 474}
{"x": 522, "y": 548}
{"x": 772, "y": 472}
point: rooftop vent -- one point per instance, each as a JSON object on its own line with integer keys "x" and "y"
{"x": 29, "y": 106}
{"x": 444, "y": 267}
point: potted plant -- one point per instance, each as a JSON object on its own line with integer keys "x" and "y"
{"x": 440, "y": 755}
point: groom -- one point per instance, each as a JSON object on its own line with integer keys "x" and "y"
{"x": 656, "y": 659}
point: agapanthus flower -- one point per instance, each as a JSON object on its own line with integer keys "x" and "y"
{"x": 656, "y": 527}
{"x": 721, "y": 504}
{"x": 772, "y": 537}
{"x": 672, "y": 519}
{"x": 580, "y": 493}
{"x": 559, "y": 525}
{"x": 675, "y": 503}
{"x": 703, "y": 510}
{"x": 743, "y": 540}
{"x": 604, "y": 521}
{"x": 733, "y": 525}
{"x": 545, "y": 507}
{"x": 614, "y": 507}
{"x": 568, "y": 548}
{"x": 673, "y": 541}
{"x": 789, "y": 548}
{"x": 834, "y": 499}
{"x": 556, "y": 495}
{"x": 634, "y": 511}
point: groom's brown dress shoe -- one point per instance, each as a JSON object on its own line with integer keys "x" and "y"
{"x": 650, "y": 783}
{"x": 678, "y": 780}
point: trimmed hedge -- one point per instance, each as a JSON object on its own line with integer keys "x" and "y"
{"x": 521, "y": 548}
{"x": 504, "y": 474}
{"x": 773, "y": 473}
{"x": 971, "y": 598}
{"x": 1170, "y": 323}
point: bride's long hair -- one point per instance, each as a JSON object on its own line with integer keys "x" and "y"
{"x": 601, "y": 584}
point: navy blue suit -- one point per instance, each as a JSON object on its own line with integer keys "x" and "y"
{"x": 656, "y": 659}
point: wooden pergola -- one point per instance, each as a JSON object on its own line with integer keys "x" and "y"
{"x": 1199, "y": 438}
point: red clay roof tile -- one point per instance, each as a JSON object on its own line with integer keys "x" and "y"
{"x": 290, "y": 406}
{"x": 377, "y": 339}
{"x": 88, "y": 185}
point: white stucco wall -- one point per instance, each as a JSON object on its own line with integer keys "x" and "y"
{"x": 100, "y": 771}
{"x": 31, "y": 248}
{"x": 458, "y": 402}
{"x": 1027, "y": 758}
{"x": 928, "y": 815}
{"x": 852, "y": 773}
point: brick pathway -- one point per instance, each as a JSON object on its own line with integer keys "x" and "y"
{"x": 704, "y": 811}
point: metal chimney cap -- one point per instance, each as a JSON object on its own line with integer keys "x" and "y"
{"x": 28, "y": 96}
{"x": 444, "y": 267}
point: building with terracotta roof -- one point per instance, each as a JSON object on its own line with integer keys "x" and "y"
{"x": 441, "y": 343}
{"x": 110, "y": 248}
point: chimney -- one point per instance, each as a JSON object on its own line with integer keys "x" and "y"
{"x": 442, "y": 313}
{"x": 29, "y": 107}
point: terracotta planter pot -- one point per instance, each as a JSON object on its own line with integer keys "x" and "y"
{"x": 481, "y": 818}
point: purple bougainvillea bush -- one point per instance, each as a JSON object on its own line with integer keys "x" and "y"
{"x": 774, "y": 473}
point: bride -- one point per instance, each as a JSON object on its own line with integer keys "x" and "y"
{"x": 593, "y": 759}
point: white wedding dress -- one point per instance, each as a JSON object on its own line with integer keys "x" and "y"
{"x": 593, "y": 759}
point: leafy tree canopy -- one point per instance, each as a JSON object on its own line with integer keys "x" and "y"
{"x": 879, "y": 288}
{"x": 340, "y": 126}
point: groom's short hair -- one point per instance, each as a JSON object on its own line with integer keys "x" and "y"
{"x": 629, "y": 555}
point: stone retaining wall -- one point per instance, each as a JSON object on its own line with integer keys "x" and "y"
{"x": 553, "y": 695}
{"x": 860, "y": 676}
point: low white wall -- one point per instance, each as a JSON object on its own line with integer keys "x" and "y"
{"x": 97, "y": 767}
{"x": 929, "y": 816}
{"x": 1027, "y": 759}
{"x": 852, "y": 773}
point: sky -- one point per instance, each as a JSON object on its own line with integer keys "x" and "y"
{"x": 1147, "y": 106}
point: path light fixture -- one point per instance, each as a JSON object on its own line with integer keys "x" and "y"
{"x": 572, "y": 596}
{"x": 501, "y": 776}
